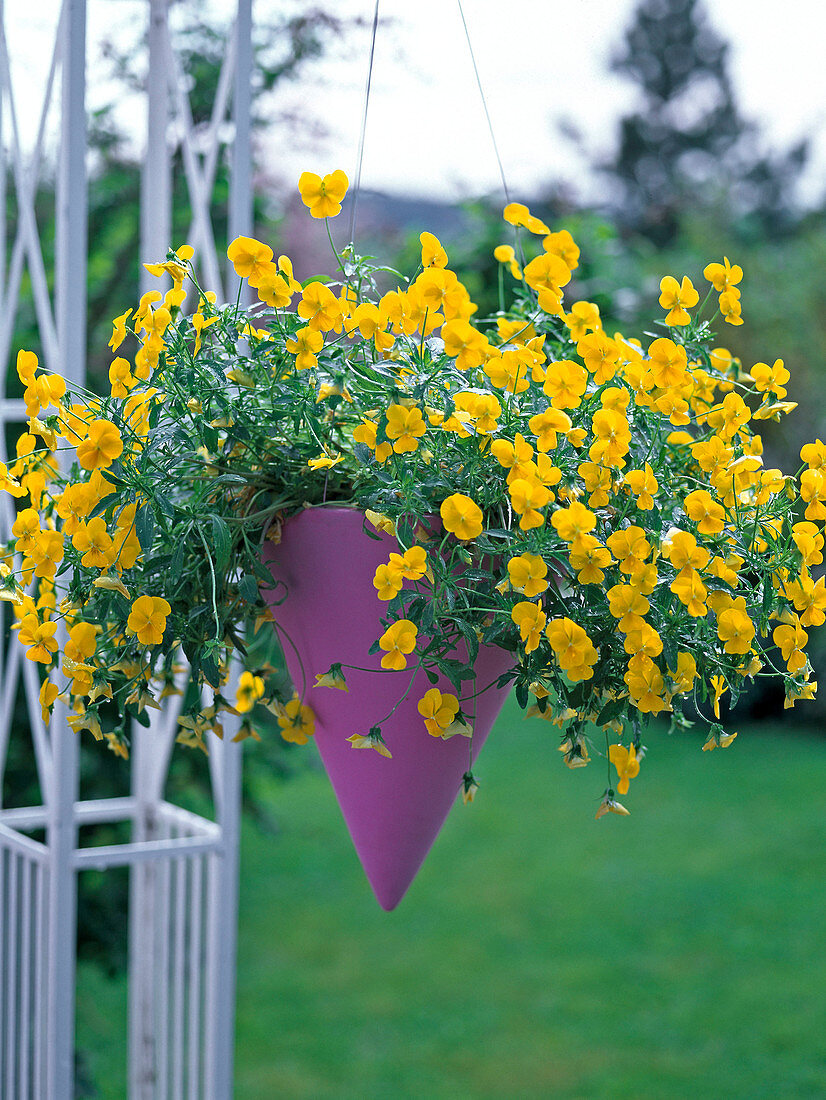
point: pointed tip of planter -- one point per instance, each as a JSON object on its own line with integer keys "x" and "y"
{"x": 391, "y": 883}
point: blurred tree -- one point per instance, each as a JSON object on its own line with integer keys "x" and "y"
{"x": 687, "y": 142}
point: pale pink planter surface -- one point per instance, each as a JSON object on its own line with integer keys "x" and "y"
{"x": 394, "y": 808}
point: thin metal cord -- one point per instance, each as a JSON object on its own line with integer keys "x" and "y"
{"x": 484, "y": 104}
{"x": 357, "y": 186}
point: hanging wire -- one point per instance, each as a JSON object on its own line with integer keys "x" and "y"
{"x": 357, "y": 186}
{"x": 360, "y": 158}
{"x": 484, "y": 103}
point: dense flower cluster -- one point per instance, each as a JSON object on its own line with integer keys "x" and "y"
{"x": 596, "y": 505}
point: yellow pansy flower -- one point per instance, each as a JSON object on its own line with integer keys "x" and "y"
{"x": 323, "y": 195}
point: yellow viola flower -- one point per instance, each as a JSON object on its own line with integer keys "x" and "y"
{"x": 439, "y": 709}
{"x": 723, "y": 276}
{"x": 323, "y": 195}
{"x": 703, "y": 510}
{"x": 147, "y": 619}
{"x": 371, "y": 740}
{"x": 26, "y": 529}
{"x": 573, "y": 648}
{"x": 573, "y": 522}
{"x": 730, "y": 306}
{"x": 627, "y": 765}
{"x": 642, "y": 484}
{"x": 47, "y": 553}
{"x": 547, "y": 274}
{"x": 528, "y": 574}
{"x": 119, "y": 330}
{"x": 250, "y": 690}
{"x": 405, "y": 427}
{"x": 433, "y": 255}
{"x": 332, "y": 678}
{"x": 412, "y": 564}
{"x": 668, "y": 363}
{"x": 612, "y": 438}
{"x": 27, "y": 364}
{"x": 461, "y": 516}
{"x": 641, "y": 639}
{"x": 626, "y": 603}
{"x": 271, "y": 287}
{"x": 770, "y": 379}
{"x": 516, "y": 213}
{"x": 814, "y": 455}
{"x": 547, "y": 426}
{"x": 600, "y": 354}
{"x": 94, "y": 542}
{"x": 121, "y": 378}
{"x": 387, "y": 581}
{"x": 531, "y": 619}
{"x": 466, "y": 344}
{"x": 113, "y": 584}
{"x": 813, "y": 493}
{"x": 398, "y": 642}
{"x": 305, "y": 345}
{"x": 677, "y": 298}
{"x": 718, "y": 739}
{"x": 562, "y": 244}
{"x": 366, "y": 433}
{"x": 296, "y": 721}
{"x": 39, "y": 638}
{"x": 101, "y": 447}
{"x": 681, "y": 549}
{"x": 527, "y": 497}
{"x": 610, "y": 805}
{"x": 735, "y": 629}
{"x": 505, "y": 254}
{"x": 689, "y": 589}
{"x": 48, "y": 693}
{"x": 791, "y": 638}
{"x": 324, "y": 462}
{"x": 319, "y": 307}
{"x": 590, "y": 557}
{"x": 380, "y": 521}
{"x": 646, "y": 685}
{"x": 685, "y": 674}
{"x": 803, "y": 691}
{"x": 565, "y": 383}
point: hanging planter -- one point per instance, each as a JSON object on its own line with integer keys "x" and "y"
{"x": 326, "y": 613}
{"x": 586, "y": 514}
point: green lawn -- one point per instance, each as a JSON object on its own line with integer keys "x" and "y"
{"x": 679, "y": 952}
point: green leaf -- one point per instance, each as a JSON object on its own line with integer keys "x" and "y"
{"x": 248, "y": 589}
{"x": 176, "y": 566}
{"x": 222, "y": 543}
{"x": 145, "y": 529}
{"x": 211, "y": 671}
{"x": 103, "y": 505}
{"x": 610, "y": 711}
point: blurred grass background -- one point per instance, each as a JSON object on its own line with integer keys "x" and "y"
{"x": 676, "y": 952}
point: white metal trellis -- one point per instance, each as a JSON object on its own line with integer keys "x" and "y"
{"x": 183, "y": 867}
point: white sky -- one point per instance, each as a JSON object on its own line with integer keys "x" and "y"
{"x": 539, "y": 61}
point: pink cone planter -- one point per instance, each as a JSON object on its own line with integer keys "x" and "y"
{"x": 394, "y": 808}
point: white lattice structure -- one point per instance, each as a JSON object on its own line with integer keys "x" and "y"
{"x": 183, "y": 868}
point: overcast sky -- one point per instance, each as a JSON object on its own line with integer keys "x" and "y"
{"x": 540, "y": 61}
